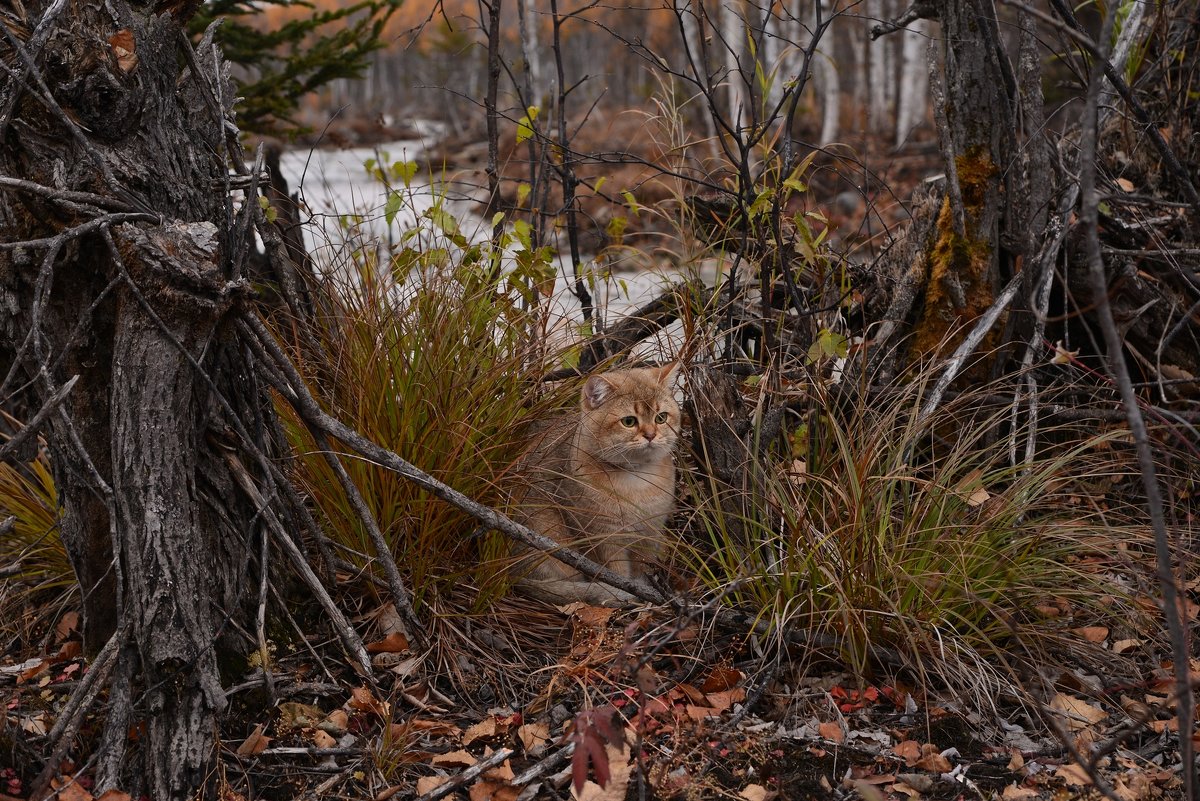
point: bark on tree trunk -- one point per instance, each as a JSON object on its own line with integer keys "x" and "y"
{"x": 972, "y": 108}
{"x": 133, "y": 303}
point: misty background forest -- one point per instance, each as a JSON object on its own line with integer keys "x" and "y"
{"x": 287, "y": 287}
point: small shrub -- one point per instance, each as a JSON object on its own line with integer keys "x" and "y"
{"x": 918, "y": 538}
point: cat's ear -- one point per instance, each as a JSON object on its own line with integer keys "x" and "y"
{"x": 597, "y": 390}
{"x": 668, "y": 374}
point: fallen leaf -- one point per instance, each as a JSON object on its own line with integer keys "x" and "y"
{"x": 905, "y": 789}
{"x": 1073, "y": 774}
{"x": 256, "y": 743}
{"x": 620, "y": 765}
{"x": 1079, "y": 714}
{"x": 1125, "y": 184}
{"x": 113, "y": 795}
{"x": 427, "y": 783}
{"x": 482, "y": 790}
{"x": 725, "y": 699}
{"x": 456, "y": 759}
{"x": 323, "y": 739}
{"x": 394, "y": 643}
{"x": 722, "y": 679}
{"x": 908, "y": 750}
{"x": 389, "y": 792}
{"x": 434, "y": 727}
{"x": 1096, "y": 634}
{"x": 335, "y": 722}
{"x": 691, "y": 693}
{"x": 70, "y": 790}
{"x": 533, "y": 735}
{"x": 831, "y": 731}
{"x": 754, "y": 792}
{"x": 1017, "y": 762}
{"x": 932, "y": 760}
{"x": 501, "y": 773}
{"x": 362, "y": 700}
{"x": 295, "y": 715}
{"x": 123, "y": 48}
{"x": 700, "y": 713}
{"x": 36, "y": 724}
{"x": 33, "y": 668}
{"x": 1014, "y": 793}
{"x": 593, "y": 616}
{"x": 1121, "y": 646}
{"x": 68, "y": 624}
{"x": 484, "y": 728}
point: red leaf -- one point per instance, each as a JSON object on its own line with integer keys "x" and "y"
{"x": 579, "y": 768}
{"x": 599, "y": 761}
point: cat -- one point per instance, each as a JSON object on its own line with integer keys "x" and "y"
{"x": 601, "y": 481}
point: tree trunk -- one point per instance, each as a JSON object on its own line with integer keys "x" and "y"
{"x": 973, "y": 111}
{"x": 133, "y": 303}
{"x": 913, "y": 96}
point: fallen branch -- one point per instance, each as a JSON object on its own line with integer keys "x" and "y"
{"x": 468, "y": 775}
{"x": 297, "y": 394}
{"x": 71, "y": 718}
{"x": 349, "y": 637}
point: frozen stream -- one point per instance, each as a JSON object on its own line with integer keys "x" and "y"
{"x": 347, "y": 205}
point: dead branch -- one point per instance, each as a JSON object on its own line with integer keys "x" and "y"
{"x": 350, "y": 639}
{"x": 468, "y": 775}
{"x": 298, "y": 396}
{"x": 1089, "y": 219}
{"x": 35, "y": 422}
{"x": 955, "y": 364}
{"x": 69, "y": 720}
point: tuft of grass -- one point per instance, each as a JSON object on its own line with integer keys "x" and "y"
{"x": 28, "y": 495}
{"x": 921, "y": 539}
{"x": 437, "y": 361}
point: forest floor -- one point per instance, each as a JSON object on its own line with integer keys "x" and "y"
{"x": 655, "y": 705}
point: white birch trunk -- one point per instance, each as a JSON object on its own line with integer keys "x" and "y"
{"x": 914, "y": 81}
{"x": 877, "y": 76}
{"x": 527, "y": 21}
{"x": 774, "y": 58}
{"x": 688, "y": 11}
{"x": 733, "y": 32}
{"x": 828, "y": 82}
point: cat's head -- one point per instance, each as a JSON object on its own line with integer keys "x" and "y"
{"x": 630, "y": 416}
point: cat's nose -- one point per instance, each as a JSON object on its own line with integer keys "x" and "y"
{"x": 649, "y": 434}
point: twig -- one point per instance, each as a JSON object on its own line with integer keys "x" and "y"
{"x": 298, "y": 395}
{"x": 468, "y": 775}
{"x": 69, "y": 720}
{"x": 546, "y": 764}
{"x": 383, "y": 551}
{"x": 567, "y": 170}
{"x": 1070, "y": 25}
{"x": 968, "y": 345}
{"x": 67, "y": 195}
{"x": 30, "y": 428}
{"x": 349, "y": 637}
{"x": 1089, "y": 218}
{"x": 300, "y": 750}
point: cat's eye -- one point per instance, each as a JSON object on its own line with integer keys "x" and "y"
{"x": 629, "y": 421}
{"x": 660, "y": 418}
